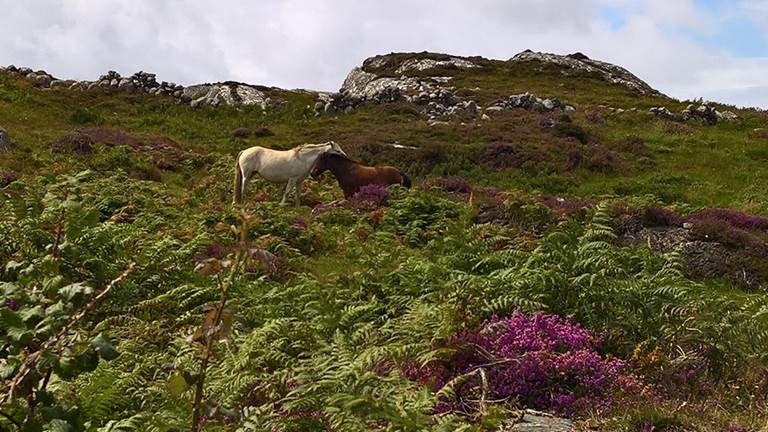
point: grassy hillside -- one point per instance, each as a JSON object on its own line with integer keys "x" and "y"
{"x": 580, "y": 263}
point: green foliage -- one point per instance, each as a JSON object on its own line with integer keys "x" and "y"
{"x": 81, "y": 116}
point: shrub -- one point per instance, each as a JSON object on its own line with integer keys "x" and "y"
{"x": 146, "y": 173}
{"x": 501, "y": 155}
{"x": 571, "y": 130}
{"x": 240, "y": 132}
{"x": 714, "y": 229}
{"x": 675, "y": 128}
{"x": 604, "y": 161}
{"x": 542, "y": 360}
{"x": 84, "y": 116}
{"x": 375, "y": 194}
{"x": 633, "y": 144}
{"x": 262, "y": 131}
{"x": 75, "y": 142}
{"x": 734, "y": 218}
{"x": 661, "y": 217}
{"x": 451, "y": 184}
{"x": 593, "y": 117}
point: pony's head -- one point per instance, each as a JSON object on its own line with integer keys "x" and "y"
{"x": 323, "y": 162}
{"x": 333, "y": 147}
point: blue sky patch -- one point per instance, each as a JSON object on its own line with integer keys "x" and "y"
{"x": 614, "y": 16}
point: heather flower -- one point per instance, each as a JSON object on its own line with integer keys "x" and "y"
{"x": 6, "y": 178}
{"x": 11, "y": 304}
{"x": 543, "y": 361}
{"x": 453, "y": 184}
{"x": 734, "y": 218}
{"x": 373, "y": 193}
{"x": 300, "y": 224}
{"x": 215, "y": 250}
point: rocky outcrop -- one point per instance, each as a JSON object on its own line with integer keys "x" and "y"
{"x": 703, "y": 259}
{"x": 434, "y": 100}
{"x": 226, "y": 93}
{"x": 430, "y": 93}
{"x": 707, "y": 114}
{"x": 663, "y": 112}
{"x": 578, "y": 62}
{"x": 38, "y": 78}
{"x": 699, "y": 112}
{"x": 5, "y": 141}
{"x": 530, "y": 102}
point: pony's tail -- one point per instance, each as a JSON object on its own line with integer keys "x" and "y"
{"x": 406, "y": 181}
{"x": 238, "y": 197}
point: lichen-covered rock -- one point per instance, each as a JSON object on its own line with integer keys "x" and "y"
{"x": 530, "y": 102}
{"x": 727, "y": 116}
{"x": 429, "y": 92}
{"x": 700, "y": 112}
{"x": 703, "y": 259}
{"x": 580, "y": 63}
{"x": 366, "y": 85}
{"x": 416, "y": 64}
{"x": 228, "y": 93}
{"x": 663, "y": 112}
{"x": 537, "y": 421}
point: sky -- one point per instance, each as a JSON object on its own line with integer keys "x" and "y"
{"x": 715, "y": 49}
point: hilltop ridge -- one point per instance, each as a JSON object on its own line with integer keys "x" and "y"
{"x": 407, "y": 72}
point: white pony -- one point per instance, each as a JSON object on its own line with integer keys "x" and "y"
{"x": 278, "y": 166}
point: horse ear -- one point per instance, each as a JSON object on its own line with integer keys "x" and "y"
{"x": 337, "y": 149}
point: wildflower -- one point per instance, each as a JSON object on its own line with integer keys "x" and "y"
{"x": 373, "y": 193}
{"x": 11, "y": 304}
{"x": 300, "y": 224}
{"x": 6, "y": 178}
{"x": 541, "y": 360}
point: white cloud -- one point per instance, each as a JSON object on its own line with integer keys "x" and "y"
{"x": 314, "y": 43}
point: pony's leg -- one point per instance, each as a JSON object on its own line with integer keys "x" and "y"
{"x": 297, "y": 191}
{"x": 287, "y": 189}
{"x": 246, "y": 176}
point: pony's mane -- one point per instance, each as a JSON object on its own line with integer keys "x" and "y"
{"x": 309, "y": 146}
{"x": 341, "y": 156}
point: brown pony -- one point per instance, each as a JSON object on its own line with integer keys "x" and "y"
{"x": 353, "y": 175}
